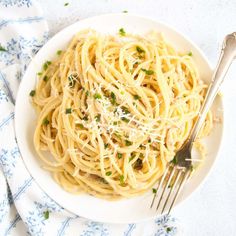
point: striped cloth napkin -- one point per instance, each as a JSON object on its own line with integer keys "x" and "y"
{"x": 24, "y": 208}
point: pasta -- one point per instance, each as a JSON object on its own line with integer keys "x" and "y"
{"x": 113, "y": 110}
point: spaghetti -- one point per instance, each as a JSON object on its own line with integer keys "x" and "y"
{"x": 113, "y": 110}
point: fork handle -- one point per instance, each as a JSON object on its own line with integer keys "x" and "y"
{"x": 228, "y": 53}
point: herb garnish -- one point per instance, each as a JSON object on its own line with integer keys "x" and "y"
{"x": 66, "y": 4}
{"x": 32, "y": 93}
{"x": 46, "y": 215}
{"x": 128, "y": 143}
{"x": 46, "y": 64}
{"x": 122, "y": 32}
{"x": 108, "y": 173}
{"x": 68, "y": 110}
{"x": 154, "y": 190}
{"x": 45, "y": 78}
{"x": 122, "y": 179}
{"x": 126, "y": 120}
{"x": 98, "y": 117}
{"x": 59, "y": 52}
{"x": 113, "y": 98}
{"x": 190, "y": 54}
{"x": 45, "y": 121}
{"x": 119, "y": 155}
{"x": 148, "y": 72}
{"x": 97, "y": 96}
{"x": 71, "y": 81}
{"x": 139, "y": 50}
{"x": 136, "y": 97}
{"x": 2, "y": 49}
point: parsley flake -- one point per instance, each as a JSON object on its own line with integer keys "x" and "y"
{"x": 97, "y": 96}
{"x": 136, "y": 97}
{"x": 46, "y": 64}
{"x": 45, "y": 121}
{"x": 148, "y": 72}
{"x": 154, "y": 190}
{"x": 128, "y": 143}
{"x": 190, "y": 54}
{"x": 122, "y": 179}
{"x": 98, "y": 117}
{"x": 108, "y": 173}
{"x": 2, "y": 49}
{"x": 113, "y": 98}
{"x": 32, "y": 93}
{"x": 122, "y": 32}
{"x": 139, "y": 50}
{"x": 66, "y": 4}
{"x": 46, "y": 215}
{"x": 119, "y": 155}
{"x": 68, "y": 110}
{"x": 45, "y": 78}
{"x": 59, "y": 52}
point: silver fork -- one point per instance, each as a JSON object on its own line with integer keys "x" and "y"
{"x": 179, "y": 170}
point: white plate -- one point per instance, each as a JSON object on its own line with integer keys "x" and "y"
{"x": 122, "y": 211}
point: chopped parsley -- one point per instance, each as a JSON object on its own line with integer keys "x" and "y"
{"x": 66, "y": 4}
{"x": 106, "y": 145}
{"x": 46, "y": 64}
{"x": 122, "y": 179}
{"x": 81, "y": 126}
{"x": 174, "y": 161}
{"x": 190, "y": 54}
{"x": 85, "y": 118}
{"x": 97, "y": 96}
{"x": 148, "y": 72}
{"x": 125, "y": 11}
{"x": 98, "y": 117}
{"x": 154, "y": 190}
{"x": 71, "y": 81}
{"x": 126, "y": 120}
{"x": 131, "y": 158}
{"x": 68, "y": 110}
{"x": 119, "y": 155}
{"x": 45, "y": 121}
{"x": 138, "y": 164}
{"x": 2, "y": 49}
{"x": 128, "y": 143}
{"x": 108, "y": 173}
{"x": 125, "y": 110}
{"x": 39, "y": 73}
{"x": 46, "y": 215}
{"x": 168, "y": 229}
{"x": 136, "y": 97}
{"x": 122, "y": 32}
{"x": 87, "y": 93}
{"x": 139, "y": 50}
{"x": 59, "y": 52}
{"x": 113, "y": 98}
{"x": 32, "y": 93}
{"x": 45, "y": 78}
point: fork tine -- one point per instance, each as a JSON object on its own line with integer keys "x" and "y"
{"x": 184, "y": 179}
{"x": 171, "y": 190}
{"x": 161, "y": 182}
{"x": 166, "y": 186}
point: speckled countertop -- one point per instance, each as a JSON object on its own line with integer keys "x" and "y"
{"x": 211, "y": 211}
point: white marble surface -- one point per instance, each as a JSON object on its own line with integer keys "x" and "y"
{"x": 211, "y": 211}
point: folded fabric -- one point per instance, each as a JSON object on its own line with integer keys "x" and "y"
{"x": 24, "y": 207}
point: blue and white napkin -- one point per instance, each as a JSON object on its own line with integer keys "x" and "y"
{"x": 24, "y": 208}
